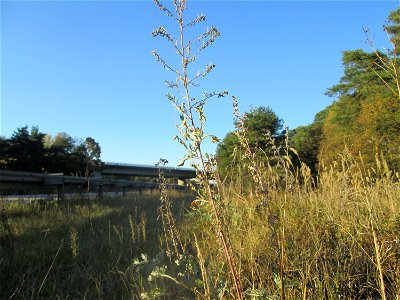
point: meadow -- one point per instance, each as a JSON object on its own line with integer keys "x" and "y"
{"x": 264, "y": 225}
{"x": 309, "y": 213}
{"x": 335, "y": 236}
{"x": 80, "y": 249}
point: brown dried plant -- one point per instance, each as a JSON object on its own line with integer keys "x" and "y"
{"x": 191, "y": 112}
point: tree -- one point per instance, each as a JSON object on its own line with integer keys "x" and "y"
{"x": 38, "y": 152}
{"x": 59, "y": 156}
{"x": 27, "y": 149}
{"x": 5, "y": 160}
{"x": 365, "y": 117}
{"x": 307, "y": 139}
{"x": 92, "y": 156}
{"x": 262, "y": 125}
{"x": 87, "y": 154}
{"x": 228, "y": 153}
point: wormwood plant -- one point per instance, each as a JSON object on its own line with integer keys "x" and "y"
{"x": 174, "y": 245}
{"x": 191, "y": 112}
{"x": 74, "y": 242}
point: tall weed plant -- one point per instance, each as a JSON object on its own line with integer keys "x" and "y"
{"x": 191, "y": 112}
{"x": 278, "y": 232}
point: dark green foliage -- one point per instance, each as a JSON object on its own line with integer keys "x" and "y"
{"x": 307, "y": 139}
{"x": 35, "y": 151}
{"x": 262, "y": 122}
{"x": 228, "y": 152}
{"x": 363, "y": 75}
{"x": 24, "y": 149}
{"x": 60, "y": 154}
{"x": 262, "y": 125}
{"x": 394, "y": 28}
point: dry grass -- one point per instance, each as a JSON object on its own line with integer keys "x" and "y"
{"x": 331, "y": 237}
{"x": 85, "y": 249}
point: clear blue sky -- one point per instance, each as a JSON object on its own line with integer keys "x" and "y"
{"x": 85, "y": 68}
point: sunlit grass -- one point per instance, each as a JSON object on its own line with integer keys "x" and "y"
{"x": 336, "y": 238}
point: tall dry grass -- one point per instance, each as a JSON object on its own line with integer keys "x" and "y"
{"x": 83, "y": 249}
{"x": 335, "y": 236}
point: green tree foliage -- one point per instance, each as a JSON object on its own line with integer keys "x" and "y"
{"x": 262, "y": 125}
{"x": 35, "y": 151}
{"x": 393, "y": 30}
{"x": 229, "y": 153}
{"x": 307, "y": 139}
{"x": 91, "y": 155}
{"x": 59, "y": 151}
{"x": 365, "y": 118}
{"x": 24, "y": 150}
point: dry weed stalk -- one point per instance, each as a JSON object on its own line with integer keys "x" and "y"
{"x": 174, "y": 245}
{"x": 203, "y": 270}
{"x": 386, "y": 63}
{"x": 191, "y": 130}
{"x": 265, "y": 170}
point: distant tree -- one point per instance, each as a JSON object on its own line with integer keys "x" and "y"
{"x": 261, "y": 124}
{"x": 27, "y": 149}
{"x": 6, "y": 161}
{"x": 60, "y": 141}
{"x": 38, "y": 152}
{"x": 229, "y": 153}
{"x": 88, "y": 153}
{"x": 59, "y": 158}
{"x": 307, "y": 139}
{"x": 92, "y": 155}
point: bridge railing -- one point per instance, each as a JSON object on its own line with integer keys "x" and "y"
{"x": 58, "y": 181}
{"x": 111, "y": 164}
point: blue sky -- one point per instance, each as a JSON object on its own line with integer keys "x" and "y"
{"x": 85, "y": 67}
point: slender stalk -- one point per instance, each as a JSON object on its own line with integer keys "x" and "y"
{"x": 192, "y": 134}
{"x": 51, "y": 266}
{"x": 221, "y": 234}
{"x": 378, "y": 261}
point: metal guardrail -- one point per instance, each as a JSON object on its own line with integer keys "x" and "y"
{"x": 107, "y": 163}
{"x": 59, "y": 181}
{"x": 118, "y": 169}
{"x": 51, "y": 179}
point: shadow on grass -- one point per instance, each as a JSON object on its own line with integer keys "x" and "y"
{"x": 80, "y": 249}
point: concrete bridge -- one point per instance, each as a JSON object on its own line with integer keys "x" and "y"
{"x": 112, "y": 176}
{"x": 119, "y": 169}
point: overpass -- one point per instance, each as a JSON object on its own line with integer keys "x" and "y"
{"x": 119, "y": 169}
{"x": 112, "y": 176}
{"x": 12, "y": 182}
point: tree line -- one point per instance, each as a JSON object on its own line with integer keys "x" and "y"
{"x": 34, "y": 151}
{"x": 363, "y": 120}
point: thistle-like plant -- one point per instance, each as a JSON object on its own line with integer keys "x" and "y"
{"x": 173, "y": 243}
{"x": 191, "y": 112}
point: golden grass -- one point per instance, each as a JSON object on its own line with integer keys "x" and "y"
{"x": 331, "y": 237}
